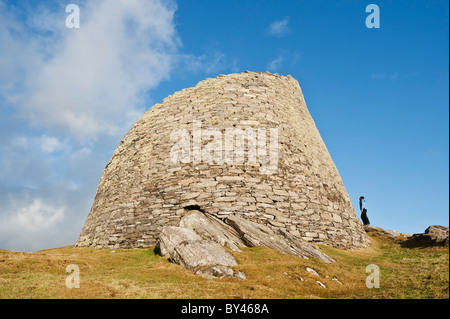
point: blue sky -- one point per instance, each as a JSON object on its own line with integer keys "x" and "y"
{"x": 379, "y": 97}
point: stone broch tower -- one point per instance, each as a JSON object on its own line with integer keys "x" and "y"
{"x": 143, "y": 189}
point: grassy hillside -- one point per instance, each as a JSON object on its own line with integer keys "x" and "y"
{"x": 405, "y": 273}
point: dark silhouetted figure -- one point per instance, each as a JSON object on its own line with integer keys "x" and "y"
{"x": 362, "y": 208}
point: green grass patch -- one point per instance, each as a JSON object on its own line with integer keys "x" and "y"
{"x": 140, "y": 273}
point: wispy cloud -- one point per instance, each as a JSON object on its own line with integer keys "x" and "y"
{"x": 275, "y": 64}
{"x": 207, "y": 63}
{"x": 50, "y": 144}
{"x": 279, "y": 28}
{"x": 34, "y": 215}
{"x": 385, "y": 76}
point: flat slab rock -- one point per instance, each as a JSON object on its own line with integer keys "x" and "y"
{"x": 385, "y": 232}
{"x": 198, "y": 243}
{"x": 211, "y": 227}
{"x": 171, "y": 236}
{"x": 204, "y": 257}
{"x": 254, "y": 234}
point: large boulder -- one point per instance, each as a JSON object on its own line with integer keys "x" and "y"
{"x": 234, "y": 232}
{"x": 204, "y": 257}
{"x": 198, "y": 243}
{"x": 210, "y": 227}
{"x": 171, "y": 236}
{"x": 436, "y": 230}
{"x": 434, "y": 235}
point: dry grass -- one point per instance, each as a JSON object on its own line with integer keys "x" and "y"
{"x": 405, "y": 273}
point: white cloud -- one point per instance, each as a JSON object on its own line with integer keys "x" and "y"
{"x": 235, "y": 66}
{"x": 20, "y": 142}
{"x": 47, "y": 144}
{"x": 212, "y": 63}
{"x": 23, "y": 220}
{"x": 382, "y": 76}
{"x": 275, "y": 64}
{"x": 279, "y": 28}
{"x": 93, "y": 80}
{"x": 393, "y": 76}
{"x": 35, "y": 215}
{"x": 50, "y": 144}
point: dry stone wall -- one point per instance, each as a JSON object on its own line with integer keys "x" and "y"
{"x": 143, "y": 189}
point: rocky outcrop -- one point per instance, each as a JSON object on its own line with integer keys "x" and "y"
{"x": 434, "y": 235}
{"x": 438, "y": 231}
{"x": 171, "y": 236}
{"x": 392, "y": 234}
{"x": 210, "y": 227}
{"x": 198, "y": 243}
{"x": 253, "y": 234}
{"x": 202, "y": 256}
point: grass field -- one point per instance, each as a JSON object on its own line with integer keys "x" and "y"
{"x": 139, "y": 273}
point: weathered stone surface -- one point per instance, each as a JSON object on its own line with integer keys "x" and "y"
{"x": 142, "y": 189}
{"x": 206, "y": 258}
{"x": 253, "y": 234}
{"x": 219, "y": 271}
{"x": 434, "y": 235}
{"x": 337, "y": 280}
{"x": 393, "y": 234}
{"x": 197, "y": 244}
{"x": 304, "y": 249}
{"x": 196, "y": 254}
{"x": 370, "y": 228}
{"x": 209, "y": 227}
{"x": 171, "y": 236}
{"x": 312, "y": 271}
{"x": 440, "y": 231}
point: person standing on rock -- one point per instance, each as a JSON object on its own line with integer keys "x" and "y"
{"x": 362, "y": 208}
